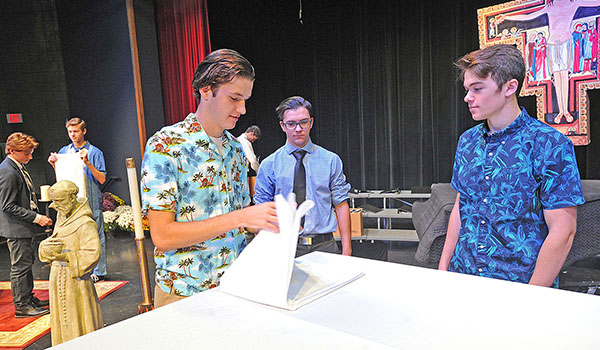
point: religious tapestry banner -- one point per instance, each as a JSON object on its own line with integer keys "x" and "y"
{"x": 559, "y": 41}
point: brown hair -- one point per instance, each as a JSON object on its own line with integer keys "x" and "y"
{"x": 220, "y": 67}
{"x": 19, "y": 141}
{"x": 503, "y": 62}
{"x": 293, "y": 102}
{"x": 76, "y": 121}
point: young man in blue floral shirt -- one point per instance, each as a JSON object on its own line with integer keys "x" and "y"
{"x": 517, "y": 181}
{"x": 195, "y": 187}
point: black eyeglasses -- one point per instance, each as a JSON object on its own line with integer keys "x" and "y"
{"x": 292, "y": 125}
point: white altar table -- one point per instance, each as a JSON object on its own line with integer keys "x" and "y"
{"x": 391, "y": 306}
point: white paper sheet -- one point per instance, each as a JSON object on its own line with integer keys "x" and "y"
{"x": 266, "y": 272}
{"x": 69, "y": 166}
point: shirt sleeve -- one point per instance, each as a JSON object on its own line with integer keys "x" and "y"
{"x": 264, "y": 188}
{"x": 158, "y": 181}
{"x": 339, "y": 186}
{"x": 9, "y": 197}
{"x": 249, "y": 152}
{"x": 457, "y": 167}
{"x": 561, "y": 183}
{"x": 98, "y": 160}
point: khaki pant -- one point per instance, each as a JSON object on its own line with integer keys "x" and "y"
{"x": 162, "y": 298}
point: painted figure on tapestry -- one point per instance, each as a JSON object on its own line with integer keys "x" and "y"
{"x": 561, "y": 56}
{"x": 73, "y": 250}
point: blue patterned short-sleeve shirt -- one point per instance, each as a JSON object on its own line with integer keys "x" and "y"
{"x": 184, "y": 172}
{"x": 505, "y": 181}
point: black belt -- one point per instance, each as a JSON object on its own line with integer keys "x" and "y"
{"x": 312, "y": 239}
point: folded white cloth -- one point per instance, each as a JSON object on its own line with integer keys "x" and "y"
{"x": 266, "y": 272}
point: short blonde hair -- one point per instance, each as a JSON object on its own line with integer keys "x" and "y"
{"x": 20, "y": 142}
{"x": 76, "y": 121}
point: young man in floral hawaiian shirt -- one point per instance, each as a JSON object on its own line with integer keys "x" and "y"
{"x": 195, "y": 187}
{"x": 517, "y": 181}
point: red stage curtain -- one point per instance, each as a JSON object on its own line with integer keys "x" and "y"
{"x": 183, "y": 41}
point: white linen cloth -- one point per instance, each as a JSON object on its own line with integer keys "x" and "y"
{"x": 69, "y": 166}
{"x": 266, "y": 271}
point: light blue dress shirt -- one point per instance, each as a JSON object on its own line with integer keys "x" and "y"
{"x": 94, "y": 195}
{"x": 326, "y": 183}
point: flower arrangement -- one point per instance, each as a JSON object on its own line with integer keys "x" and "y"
{"x": 118, "y": 215}
{"x": 109, "y": 220}
{"x": 111, "y": 201}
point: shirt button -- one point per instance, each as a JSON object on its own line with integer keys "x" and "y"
{"x": 487, "y": 177}
{"x": 490, "y": 154}
{"x": 483, "y": 222}
{"x": 485, "y": 200}
{"x": 481, "y": 246}
{"x": 480, "y": 270}
{"x": 503, "y": 142}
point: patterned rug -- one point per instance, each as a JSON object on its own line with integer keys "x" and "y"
{"x": 21, "y": 332}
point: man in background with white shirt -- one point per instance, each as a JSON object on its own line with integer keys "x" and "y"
{"x": 251, "y": 135}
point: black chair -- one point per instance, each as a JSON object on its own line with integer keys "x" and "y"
{"x": 431, "y": 217}
{"x": 586, "y": 243}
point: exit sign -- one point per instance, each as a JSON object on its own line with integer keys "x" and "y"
{"x": 12, "y": 118}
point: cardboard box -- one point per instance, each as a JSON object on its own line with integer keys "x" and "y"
{"x": 356, "y": 223}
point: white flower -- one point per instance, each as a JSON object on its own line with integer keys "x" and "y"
{"x": 123, "y": 208}
{"x": 125, "y": 219}
{"x": 109, "y": 217}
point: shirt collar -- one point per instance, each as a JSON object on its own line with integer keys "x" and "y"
{"x": 80, "y": 148}
{"x": 16, "y": 162}
{"x": 309, "y": 147}
{"x": 513, "y": 128}
{"x": 226, "y": 137}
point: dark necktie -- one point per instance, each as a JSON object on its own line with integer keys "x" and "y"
{"x": 32, "y": 196}
{"x": 299, "y": 177}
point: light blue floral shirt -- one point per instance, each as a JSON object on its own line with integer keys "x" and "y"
{"x": 184, "y": 172}
{"x": 505, "y": 181}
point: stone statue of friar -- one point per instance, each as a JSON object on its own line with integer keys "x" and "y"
{"x": 73, "y": 250}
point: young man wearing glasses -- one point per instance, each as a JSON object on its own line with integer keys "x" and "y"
{"x": 311, "y": 172}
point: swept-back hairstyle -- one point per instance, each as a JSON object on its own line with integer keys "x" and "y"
{"x": 503, "y": 62}
{"x": 19, "y": 141}
{"x": 220, "y": 67}
{"x": 76, "y": 121}
{"x": 293, "y": 102}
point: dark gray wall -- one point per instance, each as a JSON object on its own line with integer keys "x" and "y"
{"x": 32, "y": 79}
{"x": 61, "y": 58}
{"x": 98, "y": 71}
{"x": 380, "y": 75}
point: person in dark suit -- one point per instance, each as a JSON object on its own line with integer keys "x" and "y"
{"x": 18, "y": 217}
